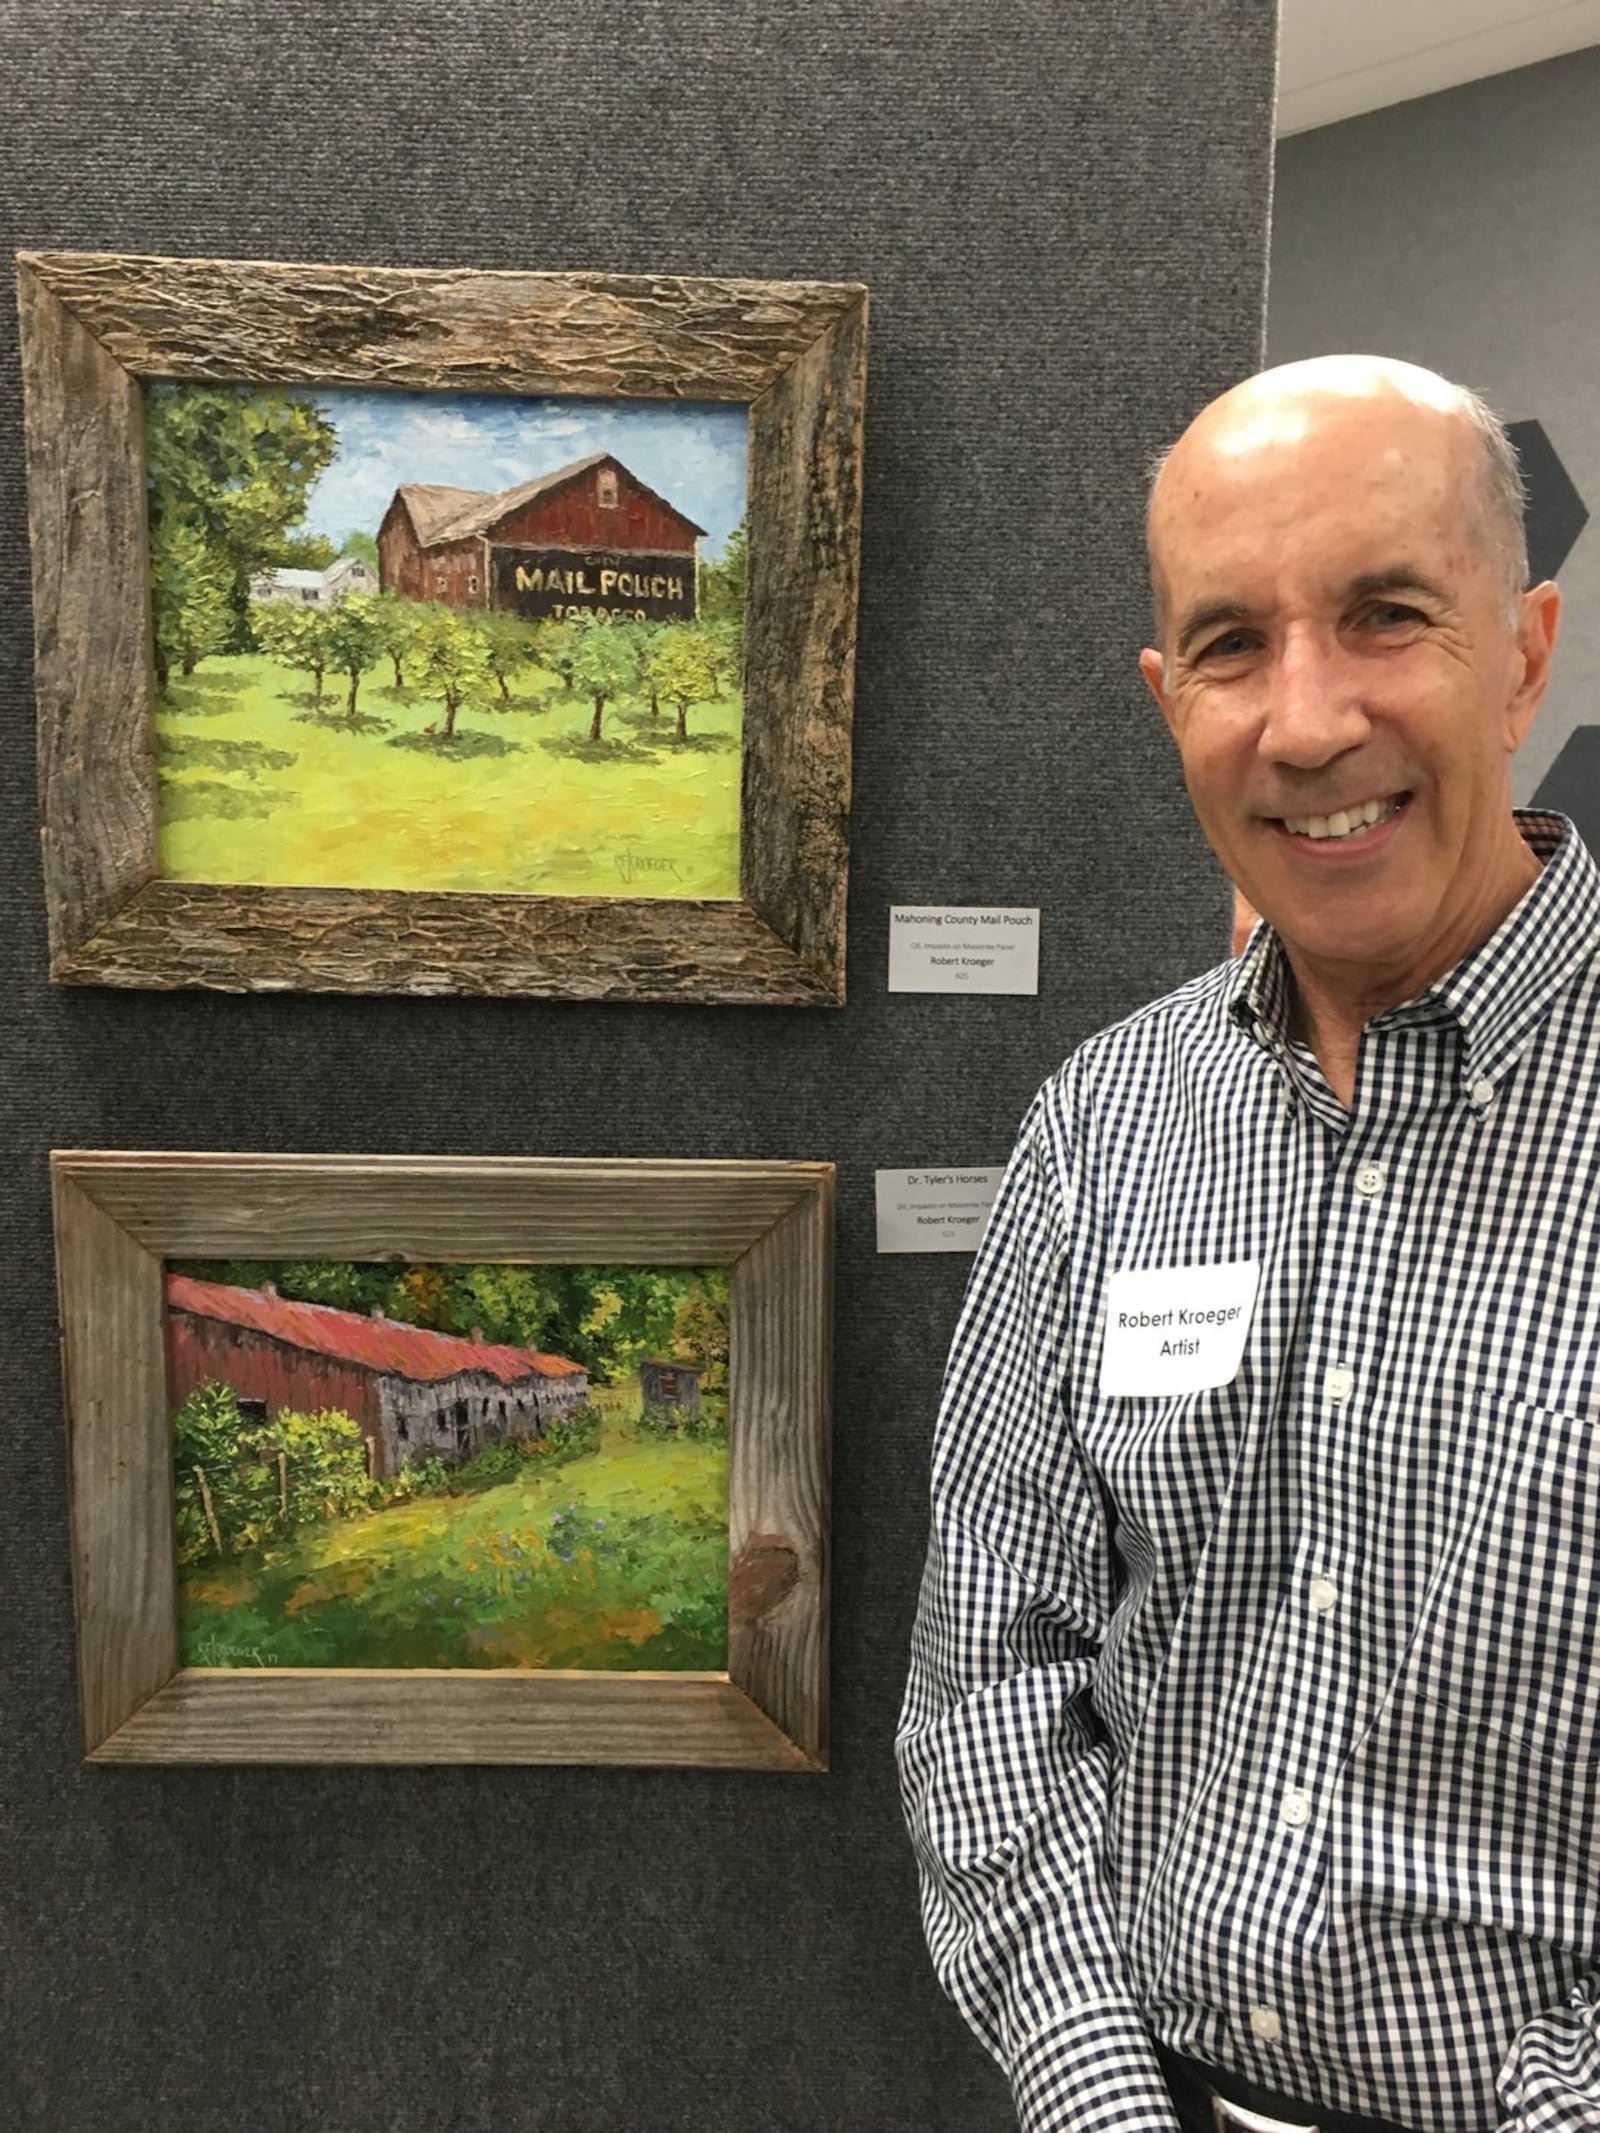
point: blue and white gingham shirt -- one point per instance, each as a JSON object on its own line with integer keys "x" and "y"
{"x": 1266, "y": 1721}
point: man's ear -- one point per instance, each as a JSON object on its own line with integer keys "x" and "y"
{"x": 1154, "y": 669}
{"x": 1538, "y": 621}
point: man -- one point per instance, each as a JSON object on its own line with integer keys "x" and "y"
{"x": 1252, "y": 1741}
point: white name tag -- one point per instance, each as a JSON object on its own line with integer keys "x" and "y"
{"x": 1176, "y": 1328}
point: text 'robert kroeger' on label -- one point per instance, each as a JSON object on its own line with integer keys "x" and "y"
{"x": 934, "y": 1210}
{"x": 963, "y": 948}
{"x": 1176, "y": 1329}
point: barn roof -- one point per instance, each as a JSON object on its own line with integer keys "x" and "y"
{"x": 441, "y": 514}
{"x": 299, "y": 580}
{"x": 383, "y": 1344}
{"x": 432, "y": 506}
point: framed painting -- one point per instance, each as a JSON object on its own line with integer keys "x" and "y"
{"x": 428, "y": 632}
{"x": 411, "y": 1460}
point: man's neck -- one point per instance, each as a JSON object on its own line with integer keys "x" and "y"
{"x": 1334, "y": 1002}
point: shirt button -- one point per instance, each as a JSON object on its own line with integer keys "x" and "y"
{"x": 1264, "y": 2023}
{"x": 1323, "y": 1593}
{"x": 1481, "y": 1093}
{"x": 1339, "y": 1382}
{"x": 1369, "y": 1180}
{"x": 1296, "y": 1809}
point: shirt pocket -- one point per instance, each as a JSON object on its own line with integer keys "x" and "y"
{"x": 1509, "y": 1637}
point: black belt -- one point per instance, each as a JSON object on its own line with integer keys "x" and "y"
{"x": 1197, "y": 2089}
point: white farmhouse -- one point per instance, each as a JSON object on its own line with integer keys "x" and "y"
{"x": 316, "y": 588}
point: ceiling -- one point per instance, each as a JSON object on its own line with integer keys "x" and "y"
{"x": 1339, "y": 57}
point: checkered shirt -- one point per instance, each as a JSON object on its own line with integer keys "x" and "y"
{"x": 1266, "y": 1721}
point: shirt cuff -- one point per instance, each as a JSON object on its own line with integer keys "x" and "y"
{"x": 1094, "y": 2071}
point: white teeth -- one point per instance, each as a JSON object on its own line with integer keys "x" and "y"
{"x": 1342, "y": 823}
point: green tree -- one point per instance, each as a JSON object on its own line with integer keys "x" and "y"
{"x": 397, "y": 619}
{"x": 724, "y": 643}
{"x": 364, "y": 545}
{"x": 641, "y": 638}
{"x": 236, "y": 463}
{"x": 353, "y": 635}
{"x": 297, "y": 635}
{"x": 683, "y": 668}
{"x": 722, "y": 580}
{"x": 604, "y": 667}
{"x": 191, "y": 612}
{"x": 447, "y": 659}
{"x": 700, "y": 1329}
{"x": 508, "y": 646}
{"x": 238, "y": 1481}
{"x": 304, "y": 551}
{"x": 555, "y": 647}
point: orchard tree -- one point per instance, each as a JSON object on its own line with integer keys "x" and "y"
{"x": 296, "y": 635}
{"x": 555, "y": 646}
{"x": 724, "y": 650}
{"x": 397, "y": 619}
{"x": 641, "y": 639}
{"x": 447, "y": 659}
{"x": 683, "y": 669}
{"x": 507, "y": 646}
{"x": 604, "y": 667}
{"x": 353, "y": 636}
{"x": 237, "y": 464}
{"x": 190, "y": 609}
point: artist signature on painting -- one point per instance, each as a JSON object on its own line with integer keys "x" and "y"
{"x": 631, "y": 864}
{"x": 213, "y": 1652}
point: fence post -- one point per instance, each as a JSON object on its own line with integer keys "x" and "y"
{"x": 283, "y": 1484}
{"x": 209, "y": 1508}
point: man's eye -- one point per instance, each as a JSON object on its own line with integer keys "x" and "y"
{"x": 1228, "y": 646}
{"x": 1393, "y": 614}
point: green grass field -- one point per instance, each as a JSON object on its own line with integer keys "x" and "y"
{"x": 257, "y": 784}
{"x": 617, "y": 1561}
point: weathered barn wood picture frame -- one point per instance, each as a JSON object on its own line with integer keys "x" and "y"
{"x": 96, "y": 327}
{"x": 120, "y": 1217}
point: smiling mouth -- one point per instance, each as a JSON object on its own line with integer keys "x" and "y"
{"x": 1345, "y": 822}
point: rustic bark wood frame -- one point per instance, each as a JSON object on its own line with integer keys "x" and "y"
{"x": 118, "y": 1217}
{"x": 95, "y": 325}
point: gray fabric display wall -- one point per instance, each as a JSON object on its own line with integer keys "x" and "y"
{"x": 1494, "y": 284}
{"x": 1060, "y": 208}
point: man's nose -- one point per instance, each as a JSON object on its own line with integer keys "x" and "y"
{"x": 1316, "y": 709}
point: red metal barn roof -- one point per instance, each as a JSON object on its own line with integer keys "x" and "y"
{"x": 382, "y": 1344}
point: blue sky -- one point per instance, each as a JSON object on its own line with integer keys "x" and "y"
{"x": 694, "y": 453}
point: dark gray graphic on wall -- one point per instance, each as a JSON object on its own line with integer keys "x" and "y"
{"x": 1555, "y": 516}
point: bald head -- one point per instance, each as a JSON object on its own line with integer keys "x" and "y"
{"x": 1296, "y": 401}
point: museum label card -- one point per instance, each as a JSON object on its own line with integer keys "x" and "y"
{"x": 1174, "y": 1329}
{"x": 963, "y": 948}
{"x": 934, "y": 1210}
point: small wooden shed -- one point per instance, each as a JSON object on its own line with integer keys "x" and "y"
{"x": 670, "y": 1388}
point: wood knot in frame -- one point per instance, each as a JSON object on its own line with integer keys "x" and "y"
{"x": 765, "y": 1571}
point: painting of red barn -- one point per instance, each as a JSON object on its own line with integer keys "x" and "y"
{"x": 442, "y": 641}
{"x": 448, "y": 1465}
{"x": 586, "y": 540}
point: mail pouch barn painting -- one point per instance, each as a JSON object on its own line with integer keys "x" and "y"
{"x": 447, "y": 1465}
{"x": 440, "y": 641}
{"x": 587, "y": 539}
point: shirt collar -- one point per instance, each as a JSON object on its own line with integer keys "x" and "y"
{"x": 1496, "y": 994}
